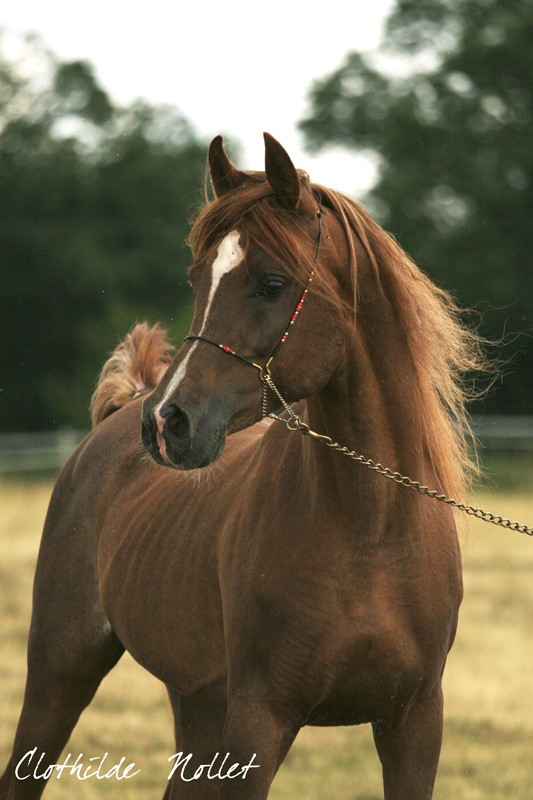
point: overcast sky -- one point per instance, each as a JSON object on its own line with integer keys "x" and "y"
{"x": 237, "y": 67}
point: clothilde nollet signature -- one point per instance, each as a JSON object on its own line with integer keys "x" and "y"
{"x": 221, "y": 767}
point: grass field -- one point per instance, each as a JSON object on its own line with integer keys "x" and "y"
{"x": 488, "y": 742}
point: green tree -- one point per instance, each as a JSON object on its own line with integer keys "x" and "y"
{"x": 447, "y": 108}
{"x": 94, "y": 203}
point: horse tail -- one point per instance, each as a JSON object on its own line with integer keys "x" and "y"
{"x": 134, "y": 368}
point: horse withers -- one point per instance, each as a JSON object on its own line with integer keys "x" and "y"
{"x": 267, "y": 581}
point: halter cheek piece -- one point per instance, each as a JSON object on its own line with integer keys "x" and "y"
{"x": 264, "y": 370}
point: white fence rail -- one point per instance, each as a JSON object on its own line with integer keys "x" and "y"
{"x": 34, "y": 452}
{"x": 504, "y": 434}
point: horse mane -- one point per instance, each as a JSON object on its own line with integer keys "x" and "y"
{"x": 134, "y": 368}
{"x": 441, "y": 348}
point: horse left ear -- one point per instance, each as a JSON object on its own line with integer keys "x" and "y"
{"x": 281, "y": 173}
{"x": 224, "y": 175}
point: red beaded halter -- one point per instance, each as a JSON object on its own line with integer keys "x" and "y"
{"x": 264, "y": 370}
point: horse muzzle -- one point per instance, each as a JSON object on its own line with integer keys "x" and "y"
{"x": 175, "y": 437}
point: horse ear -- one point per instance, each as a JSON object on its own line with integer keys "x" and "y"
{"x": 281, "y": 173}
{"x": 224, "y": 175}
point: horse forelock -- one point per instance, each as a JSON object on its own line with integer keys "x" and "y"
{"x": 253, "y": 211}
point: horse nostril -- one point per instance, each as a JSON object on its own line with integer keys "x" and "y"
{"x": 176, "y": 420}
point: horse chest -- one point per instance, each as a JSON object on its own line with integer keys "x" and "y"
{"x": 354, "y": 653}
{"x": 371, "y": 670}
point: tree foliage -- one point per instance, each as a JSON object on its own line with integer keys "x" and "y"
{"x": 447, "y": 106}
{"x": 94, "y": 203}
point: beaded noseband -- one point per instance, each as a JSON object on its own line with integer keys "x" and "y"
{"x": 264, "y": 370}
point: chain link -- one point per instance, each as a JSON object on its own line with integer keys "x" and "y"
{"x": 294, "y": 423}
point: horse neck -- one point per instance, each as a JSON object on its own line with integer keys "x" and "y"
{"x": 369, "y": 406}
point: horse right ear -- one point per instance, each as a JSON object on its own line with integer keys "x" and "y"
{"x": 224, "y": 175}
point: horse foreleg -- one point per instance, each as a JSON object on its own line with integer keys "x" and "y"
{"x": 257, "y": 737}
{"x": 199, "y": 723}
{"x": 410, "y": 753}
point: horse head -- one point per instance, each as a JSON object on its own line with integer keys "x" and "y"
{"x": 255, "y": 247}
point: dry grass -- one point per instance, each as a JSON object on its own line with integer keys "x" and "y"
{"x": 489, "y": 682}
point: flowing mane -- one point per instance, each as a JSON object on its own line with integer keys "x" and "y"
{"x": 441, "y": 348}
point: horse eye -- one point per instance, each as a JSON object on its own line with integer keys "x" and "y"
{"x": 272, "y": 287}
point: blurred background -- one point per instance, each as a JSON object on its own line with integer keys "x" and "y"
{"x": 421, "y": 109}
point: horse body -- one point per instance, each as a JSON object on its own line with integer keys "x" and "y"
{"x": 278, "y": 587}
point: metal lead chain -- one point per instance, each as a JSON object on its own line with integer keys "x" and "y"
{"x": 294, "y": 423}
{"x": 268, "y": 383}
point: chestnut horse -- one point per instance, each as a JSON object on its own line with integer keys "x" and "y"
{"x": 267, "y": 581}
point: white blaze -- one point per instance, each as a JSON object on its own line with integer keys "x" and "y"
{"x": 229, "y": 255}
